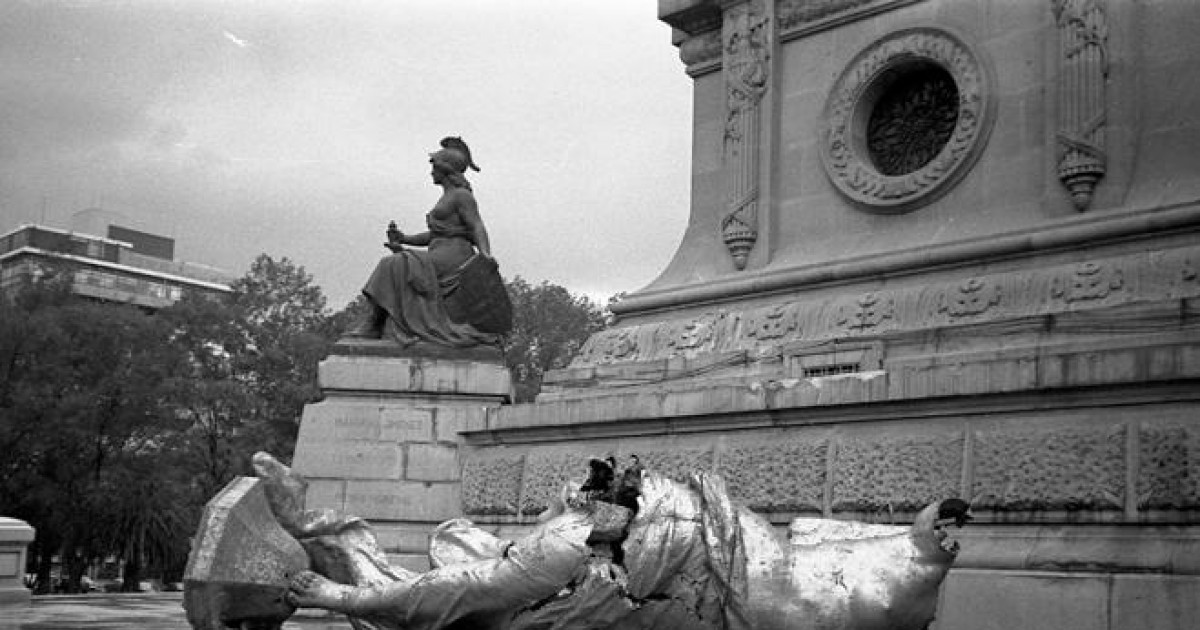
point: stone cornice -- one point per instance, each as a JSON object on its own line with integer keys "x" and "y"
{"x": 1089, "y": 230}
{"x": 1147, "y": 277}
{"x": 691, "y": 16}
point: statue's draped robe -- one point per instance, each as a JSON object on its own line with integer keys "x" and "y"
{"x": 420, "y": 289}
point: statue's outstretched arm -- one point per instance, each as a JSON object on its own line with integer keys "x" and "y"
{"x": 420, "y": 240}
{"x": 308, "y": 589}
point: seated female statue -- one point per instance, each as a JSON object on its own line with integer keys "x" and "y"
{"x": 451, "y": 293}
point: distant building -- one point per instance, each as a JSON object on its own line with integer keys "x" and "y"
{"x": 126, "y": 266}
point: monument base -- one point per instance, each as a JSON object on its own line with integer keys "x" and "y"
{"x": 384, "y": 444}
{"x": 15, "y": 536}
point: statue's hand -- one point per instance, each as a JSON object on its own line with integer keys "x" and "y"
{"x": 395, "y": 238}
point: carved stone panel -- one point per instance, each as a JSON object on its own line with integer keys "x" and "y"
{"x": 492, "y": 485}
{"x": 677, "y": 463}
{"x": 1082, "y": 94}
{"x": 784, "y": 476}
{"x": 746, "y": 61}
{"x": 906, "y": 119}
{"x": 545, "y": 474}
{"x": 1073, "y": 288}
{"x": 1061, "y": 469}
{"x": 901, "y": 474}
{"x": 1169, "y": 470}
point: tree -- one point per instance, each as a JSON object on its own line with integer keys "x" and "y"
{"x": 549, "y": 326}
{"x": 286, "y": 318}
{"x": 82, "y": 394}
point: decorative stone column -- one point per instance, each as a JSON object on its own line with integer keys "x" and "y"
{"x": 15, "y": 536}
{"x": 1082, "y": 105}
{"x": 746, "y": 47}
{"x": 383, "y": 444}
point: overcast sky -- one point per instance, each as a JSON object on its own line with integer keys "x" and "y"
{"x": 299, "y": 128}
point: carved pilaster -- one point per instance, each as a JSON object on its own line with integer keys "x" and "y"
{"x": 1082, "y": 105}
{"x": 746, "y": 37}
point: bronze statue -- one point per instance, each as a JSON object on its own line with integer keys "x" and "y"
{"x": 689, "y": 557}
{"x": 451, "y": 293}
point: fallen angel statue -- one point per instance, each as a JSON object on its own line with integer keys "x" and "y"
{"x": 635, "y": 551}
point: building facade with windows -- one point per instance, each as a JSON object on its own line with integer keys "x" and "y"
{"x": 126, "y": 266}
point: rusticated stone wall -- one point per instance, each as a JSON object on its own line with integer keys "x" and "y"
{"x": 1083, "y": 462}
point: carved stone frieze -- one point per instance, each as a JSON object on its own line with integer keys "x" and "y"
{"x": 895, "y": 71}
{"x": 746, "y": 36}
{"x": 1142, "y": 278}
{"x": 699, "y": 334}
{"x": 901, "y": 473}
{"x": 777, "y": 321}
{"x": 493, "y": 485}
{"x": 1088, "y": 281}
{"x": 803, "y": 15}
{"x": 1188, "y": 273}
{"x": 973, "y": 297}
{"x": 783, "y": 476}
{"x": 867, "y": 312}
{"x": 1051, "y": 470}
{"x": 1082, "y": 96}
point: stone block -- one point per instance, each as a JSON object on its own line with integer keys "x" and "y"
{"x": 403, "y": 538}
{"x": 1061, "y": 468}
{"x": 452, "y": 420}
{"x": 1001, "y": 600}
{"x": 1155, "y": 602}
{"x": 325, "y": 493}
{"x": 340, "y": 420}
{"x": 492, "y": 485}
{"x": 403, "y": 500}
{"x": 902, "y": 473}
{"x": 349, "y": 460}
{"x": 15, "y": 536}
{"x": 403, "y": 424}
{"x": 414, "y": 375}
{"x": 431, "y": 462}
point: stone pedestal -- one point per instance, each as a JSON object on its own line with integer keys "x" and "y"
{"x": 15, "y": 536}
{"x": 384, "y": 443}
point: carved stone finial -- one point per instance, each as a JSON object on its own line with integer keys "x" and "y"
{"x": 1083, "y": 109}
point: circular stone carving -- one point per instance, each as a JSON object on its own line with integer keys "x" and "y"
{"x": 906, "y": 120}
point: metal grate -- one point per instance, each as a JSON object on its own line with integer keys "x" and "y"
{"x": 832, "y": 369}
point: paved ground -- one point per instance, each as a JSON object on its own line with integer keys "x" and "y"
{"x": 149, "y": 611}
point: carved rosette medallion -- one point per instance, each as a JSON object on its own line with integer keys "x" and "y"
{"x": 746, "y": 53}
{"x": 1083, "y": 110}
{"x": 907, "y": 119}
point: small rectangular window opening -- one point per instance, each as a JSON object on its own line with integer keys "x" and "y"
{"x": 833, "y": 369}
